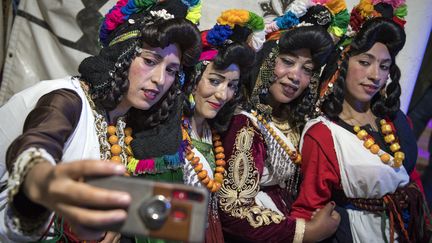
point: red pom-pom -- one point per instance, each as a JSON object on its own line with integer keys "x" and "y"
{"x": 399, "y": 21}
{"x": 356, "y": 20}
{"x": 204, "y": 39}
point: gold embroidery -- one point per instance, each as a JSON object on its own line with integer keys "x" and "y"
{"x": 241, "y": 185}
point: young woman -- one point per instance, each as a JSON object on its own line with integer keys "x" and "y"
{"x": 260, "y": 144}
{"x": 70, "y": 125}
{"x": 214, "y": 91}
{"x": 360, "y": 152}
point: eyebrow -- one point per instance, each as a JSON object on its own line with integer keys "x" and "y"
{"x": 155, "y": 54}
{"x": 373, "y": 57}
{"x": 223, "y": 77}
{"x": 309, "y": 60}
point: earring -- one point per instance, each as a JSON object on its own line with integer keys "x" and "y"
{"x": 191, "y": 101}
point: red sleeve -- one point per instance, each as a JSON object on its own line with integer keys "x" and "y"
{"x": 238, "y": 229}
{"x": 320, "y": 171}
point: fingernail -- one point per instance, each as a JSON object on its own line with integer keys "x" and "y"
{"x": 120, "y": 169}
{"x": 124, "y": 198}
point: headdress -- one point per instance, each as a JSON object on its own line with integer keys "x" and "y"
{"x": 332, "y": 15}
{"x": 395, "y": 10}
{"x": 234, "y": 25}
{"x": 120, "y": 30}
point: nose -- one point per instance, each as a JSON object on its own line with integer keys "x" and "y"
{"x": 294, "y": 74}
{"x": 374, "y": 72}
{"x": 158, "y": 75}
{"x": 222, "y": 93}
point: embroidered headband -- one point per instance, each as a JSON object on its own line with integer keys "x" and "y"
{"x": 331, "y": 14}
{"x": 221, "y": 33}
{"x": 123, "y": 9}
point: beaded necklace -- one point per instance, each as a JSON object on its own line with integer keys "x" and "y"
{"x": 213, "y": 185}
{"x": 389, "y": 137}
{"x": 293, "y": 154}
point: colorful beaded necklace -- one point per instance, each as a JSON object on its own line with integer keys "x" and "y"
{"x": 389, "y": 137}
{"x": 214, "y": 184}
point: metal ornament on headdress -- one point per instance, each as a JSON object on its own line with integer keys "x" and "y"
{"x": 265, "y": 78}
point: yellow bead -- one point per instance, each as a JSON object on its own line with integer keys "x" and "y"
{"x": 362, "y": 134}
{"x": 218, "y": 177}
{"x": 397, "y": 163}
{"x": 113, "y": 139}
{"x": 111, "y": 130}
{"x": 385, "y": 158}
{"x": 383, "y": 122}
{"x": 259, "y": 118}
{"x": 220, "y": 169}
{"x": 395, "y": 147}
{"x": 386, "y": 129}
{"x": 356, "y": 128}
{"x": 128, "y": 139}
{"x": 115, "y": 149}
{"x": 128, "y": 131}
{"x": 399, "y": 155}
{"x": 368, "y": 143}
{"x": 374, "y": 149}
{"x": 389, "y": 138}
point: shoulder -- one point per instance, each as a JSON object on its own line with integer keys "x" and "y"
{"x": 319, "y": 131}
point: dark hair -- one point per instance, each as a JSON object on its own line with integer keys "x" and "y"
{"x": 235, "y": 53}
{"x": 113, "y": 64}
{"x": 375, "y": 30}
{"x": 320, "y": 44}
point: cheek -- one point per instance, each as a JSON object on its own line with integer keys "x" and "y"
{"x": 279, "y": 70}
{"x": 304, "y": 82}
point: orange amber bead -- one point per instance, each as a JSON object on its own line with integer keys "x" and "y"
{"x": 116, "y": 159}
{"x": 220, "y": 169}
{"x": 217, "y": 143}
{"x": 128, "y": 140}
{"x": 216, "y": 137}
{"x": 111, "y": 130}
{"x": 202, "y": 174}
{"x": 206, "y": 180}
{"x": 219, "y": 149}
{"x": 128, "y": 131}
{"x": 113, "y": 139}
{"x": 195, "y": 160}
{"x": 210, "y": 184}
{"x": 216, "y": 187}
{"x": 190, "y": 155}
{"x": 220, "y": 162}
{"x": 397, "y": 163}
{"x": 385, "y": 158}
{"x": 199, "y": 167}
{"x": 399, "y": 155}
{"x": 115, "y": 149}
{"x": 375, "y": 149}
{"x": 220, "y": 156}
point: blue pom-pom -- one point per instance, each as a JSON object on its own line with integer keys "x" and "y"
{"x": 219, "y": 34}
{"x": 287, "y": 20}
